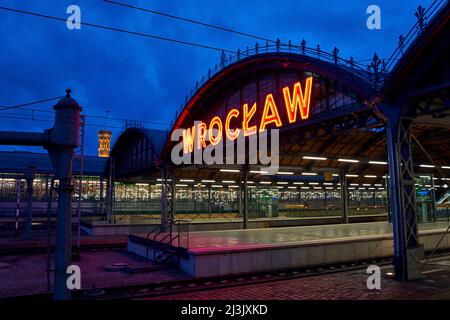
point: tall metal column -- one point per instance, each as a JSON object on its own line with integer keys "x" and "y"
{"x": 344, "y": 197}
{"x": 110, "y": 192}
{"x": 18, "y": 188}
{"x": 209, "y": 201}
{"x": 240, "y": 198}
{"x": 407, "y": 250}
{"x": 163, "y": 195}
{"x": 101, "y": 195}
{"x": 49, "y": 196}
{"x": 63, "y": 223}
{"x": 60, "y": 142}
{"x": 30, "y": 179}
{"x": 65, "y": 131}
{"x": 245, "y": 217}
{"x": 171, "y": 195}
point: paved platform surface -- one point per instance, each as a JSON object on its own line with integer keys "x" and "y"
{"x": 25, "y": 274}
{"x": 349, "y": 285}
{"x": 251, "y": 238}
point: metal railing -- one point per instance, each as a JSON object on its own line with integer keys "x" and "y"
{"x": 166, "y": 235}
{"x": 374, "y": 73}
{"x": 351, "y": 65}
{"x": 423, "y": 16}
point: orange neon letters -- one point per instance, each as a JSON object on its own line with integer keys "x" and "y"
{"x": 202, "y": 129}
{"x": 188, "y": 139}
{"x": 274, "y": 117}
{"x": 247, "y": 117}
{"x": 216, "y": 121}
{"x": 234, "y": 113}
{"x": 299, "y": 99}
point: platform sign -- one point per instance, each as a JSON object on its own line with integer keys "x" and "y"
{"x": 328, "y": 176}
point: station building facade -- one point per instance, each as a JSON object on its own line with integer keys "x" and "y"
{"x": 381, "y": 130}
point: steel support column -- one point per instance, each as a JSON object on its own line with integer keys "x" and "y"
{"x": 245, "y": 185}
{"x": 344, "y": 197}
{"x": 163, "y": 195}
{"x": 30, "y": 180}
{"x": 240, "y": 198}
{"x": 209, "y": 201}
{"x": 167, "y": 195}
{"x": 407, "y": 250}
{"x": 110, "y": 192}
{"x": 101, "y": 195}
{"x": 171, "y": 195}
{"x": 18, "y": 190}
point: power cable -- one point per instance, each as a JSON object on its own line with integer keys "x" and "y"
{"x": 146, "y": 35}
{"x": 50, "y": 121}
{"x": 30, "y": 103}
{"x": 89, "y": 116}
{"x": 189, "y": 20}
{"x": 104, "y": 117}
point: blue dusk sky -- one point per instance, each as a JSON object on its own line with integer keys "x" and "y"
{"x": 136, "y": 78}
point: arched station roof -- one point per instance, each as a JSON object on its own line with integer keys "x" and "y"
{"x": 344, "y": 122}
{"x": 339, "y": 104}
{"x": 261, "y": 66}
{"x": 136, "y": 152}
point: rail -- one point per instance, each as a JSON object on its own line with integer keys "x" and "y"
{"x": 351, "y": 65}
{"x": 423, "y": 15}
{"x": 374, "y": 73}
{"x": 170, "y": 231}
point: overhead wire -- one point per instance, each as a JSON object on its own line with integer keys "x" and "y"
{"x": 141, "y": 34}
{"x": 172, "y": 16}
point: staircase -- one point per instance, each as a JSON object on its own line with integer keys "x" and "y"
{"x": 164, "y": 245}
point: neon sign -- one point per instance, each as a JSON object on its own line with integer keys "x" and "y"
{"x": 296, "y": 101}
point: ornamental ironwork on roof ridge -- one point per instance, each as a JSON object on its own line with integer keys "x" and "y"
{"x": 374, "y": 73}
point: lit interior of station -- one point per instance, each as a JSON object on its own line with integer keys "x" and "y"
{"x": 364, "y": 157}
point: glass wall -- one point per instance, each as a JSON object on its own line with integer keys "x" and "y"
{"x": 221, "y": 201}
{"x": 92, "y": 193}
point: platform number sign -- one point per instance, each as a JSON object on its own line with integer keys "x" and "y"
{"x": 328, "y": 176}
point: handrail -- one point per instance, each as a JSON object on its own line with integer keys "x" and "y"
{"x": 160, "y": 244}
{"x": 159, "y": 227}
{"x": 168, "y": 225}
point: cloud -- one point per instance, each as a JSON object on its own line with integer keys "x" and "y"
{"x": 146, "y": 79}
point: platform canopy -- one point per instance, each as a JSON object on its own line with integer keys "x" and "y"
{"x": 326, "y": 108}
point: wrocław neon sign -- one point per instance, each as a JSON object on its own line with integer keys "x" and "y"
{"x": 296, "y": 100}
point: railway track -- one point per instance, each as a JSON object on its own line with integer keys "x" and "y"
{"x": 42, "y": 248}
{"x": 160, "y": 289}
{"x": 155, "y": 290}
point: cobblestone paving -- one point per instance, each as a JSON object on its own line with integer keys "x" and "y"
{"x": 348, "y": 286}
{"x": 25, "y": 275}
